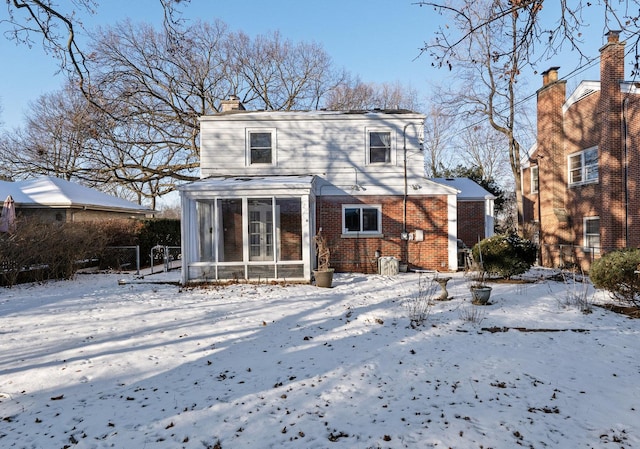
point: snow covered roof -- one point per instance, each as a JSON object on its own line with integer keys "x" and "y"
{"x": 467, "y": 188}
{"x": 49, "y": 191}
{"x": 247, "y": 183}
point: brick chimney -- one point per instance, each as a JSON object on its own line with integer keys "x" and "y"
{"x": 551, "y": 159}
{"x": 611, "y": 158}
{"x": 550, "y": 76}
{"x": 232, "y": 104}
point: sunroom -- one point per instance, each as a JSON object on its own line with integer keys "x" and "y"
{"x": 248, "y": 228}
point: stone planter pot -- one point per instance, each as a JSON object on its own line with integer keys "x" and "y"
{"x": 323, "y": 278}
{"x": 480, "y": 295}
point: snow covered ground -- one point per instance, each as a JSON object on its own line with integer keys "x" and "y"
{"x": 93, "y": 363}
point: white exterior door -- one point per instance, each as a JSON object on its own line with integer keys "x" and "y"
{"x": 260, "y": 230}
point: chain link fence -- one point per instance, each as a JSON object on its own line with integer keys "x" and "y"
{"x": 120, "y": 258}
{"x": 568, "y": 256}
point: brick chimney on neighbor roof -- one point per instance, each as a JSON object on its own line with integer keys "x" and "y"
{"x": 232, "y": 104}
{"x": 611, "y": 156}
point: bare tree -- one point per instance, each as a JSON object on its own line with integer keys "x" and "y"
{"x": 57, "y": 139}
{"x": 488, "y": 63}
{"x": 56, "y": 27}
{"x": 155, "y": 85}
{"x": 354, "y": 94}
{"x": 482, "y": 147}
{"x": 541, "y": 33}
{"x": 149, "y": 88}
{"x": 437, "y": 139}
{"x": 278, "y": 74}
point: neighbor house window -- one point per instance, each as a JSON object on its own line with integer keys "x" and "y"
{"x": 534, "y": 179}
{"x": 361, "y": 219}
{"x": 261, "y": 147}
{"x": 583, "y": 166}
{"x": 379, "y": 147}
{"x": 592, "y": 233}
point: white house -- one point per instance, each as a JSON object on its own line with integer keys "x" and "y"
{"x": 271, "y": 180}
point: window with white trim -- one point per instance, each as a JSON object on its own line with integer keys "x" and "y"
{"x": 378, "y": 147}
{"x": 261, "y": 146}
{"x": 534, "y": 179}
{"x": 583, "y": 167}
{"x": 592, "y": 233}
{"x": 361, "y": 219}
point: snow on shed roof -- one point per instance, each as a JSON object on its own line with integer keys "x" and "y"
{"x": 467, "y": 188}
{"x": 49, "y": 191}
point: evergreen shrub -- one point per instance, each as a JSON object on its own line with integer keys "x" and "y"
{"x": 616, "y": 273}
{"x": 504, "y": 255}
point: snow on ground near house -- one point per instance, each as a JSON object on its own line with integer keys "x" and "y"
{"x": 91, "y": 363}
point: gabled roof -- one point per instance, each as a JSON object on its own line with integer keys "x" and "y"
{"x": 584, "y": 89}
{"x": 467, "y": 188}
{"x": 49, "y": 191}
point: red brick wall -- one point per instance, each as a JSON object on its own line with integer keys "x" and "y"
{"x": 596, "y": 120}
{"x": 551, "y": 160}
{"x": 471, "y": 222}
{"x": 611, "y": 157}
{"x": 582, "y": 131}
{"x": 358, "y": 254}
{"x": 633, "y": 151}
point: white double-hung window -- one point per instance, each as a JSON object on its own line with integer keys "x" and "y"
{"x": 534, "y": 179}
{"x": 261, "y": 146}
{"x": 592, "y": 233}
{"x": 583, "y": 166}
{"x": 379, "y": 147}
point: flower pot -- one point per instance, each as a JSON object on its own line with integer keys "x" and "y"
{"x": 323, "y": 278}
{"x": 480, "y": 295}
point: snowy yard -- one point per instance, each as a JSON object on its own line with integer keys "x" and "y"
{"x": 91, "y": 363}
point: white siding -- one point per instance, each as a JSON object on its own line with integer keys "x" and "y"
{"x": 331, "y": 145}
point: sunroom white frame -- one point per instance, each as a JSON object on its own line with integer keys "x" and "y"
{"x": 269, "y": 188}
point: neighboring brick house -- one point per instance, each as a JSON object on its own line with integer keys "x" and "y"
{"x": 583, "y": 191}
{"x": 272, "y": 179}
{"x": 52, "y": 199}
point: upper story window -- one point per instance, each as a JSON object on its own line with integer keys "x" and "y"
{"x": 534, "y": 179}
{"x": 360, "y": 219}
{"x": 379, "y": 147}
{"x": 592, "y": 233}
{"x": 261, "y": 146}
{"x": 583, "y": 166}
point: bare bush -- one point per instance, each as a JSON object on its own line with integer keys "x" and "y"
{"x": 419, "y": 304}
{"x": 472, "y": 314}
{"x": 576, "y": 294}
{"x": 38, "y": 251}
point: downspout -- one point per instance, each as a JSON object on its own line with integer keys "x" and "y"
{"x": 404, "y": 236}
{"x": 625, "y": 133}
{"x": 404, "y": 203}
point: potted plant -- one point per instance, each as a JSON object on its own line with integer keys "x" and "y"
{"x": 323, "y": 274}
{"x": 480, "y": 291}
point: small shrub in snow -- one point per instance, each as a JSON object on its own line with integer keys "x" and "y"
{"x": 504, "y": 255}
{"x": 576, "y": 293}
{"x": 471, "y": 314}
{"x": 616, "y": 273}
{"x": 419, "y": 304}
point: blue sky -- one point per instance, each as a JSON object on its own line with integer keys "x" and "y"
{"x": 377, "y": 40}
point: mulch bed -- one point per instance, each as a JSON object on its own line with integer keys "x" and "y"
{"x": 630, "y": 311}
